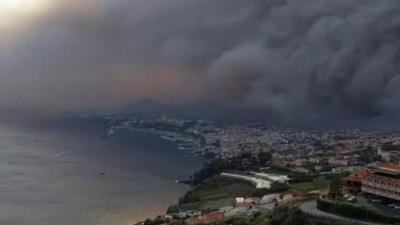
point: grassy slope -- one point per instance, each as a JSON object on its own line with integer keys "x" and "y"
{"x": 216, "y": 192}
{"x": 317, "y": 183}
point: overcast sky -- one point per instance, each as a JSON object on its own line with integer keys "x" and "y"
{"x": 302, "y": 60}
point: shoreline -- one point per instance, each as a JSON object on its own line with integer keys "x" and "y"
{"x": 179, "y": 181}
{"x": 130, "y": 189}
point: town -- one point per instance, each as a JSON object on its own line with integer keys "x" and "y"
{"x": 300, "y": 150}
{"x": 369, "y": 195}
{"x": 254, "y": 173}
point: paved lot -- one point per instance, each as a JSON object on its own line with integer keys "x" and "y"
{"x": 310, "y": 207}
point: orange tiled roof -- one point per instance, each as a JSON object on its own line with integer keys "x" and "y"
{"x": 207, "y": 218}
{"x": 390, "y": 167}
{"x": 358, "y": 176}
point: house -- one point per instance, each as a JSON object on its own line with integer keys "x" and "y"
{"x": 211, "y": 217}
{"x": 239, "y": 199}
{"x": 267, "y": 199}
{"x": 244, "y": 205}
{"x": 253, "y": 200}
{"x": 189, "y": 213}
{"x": 353, "y": 182}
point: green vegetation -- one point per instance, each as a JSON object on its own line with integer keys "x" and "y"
{"x": 157, "y": 221}
{"x": 288, "y": 215}
{"x": 335, "y": 189}
{"x": 355, "y": 211}
{"x": 322, "y": 182}
{"x": 310, "y": 183}
{"x": 306, "y": 183}
{"x": 305, "y": 187}
{"x": 283, "y": 215}
{"x": 283, "y": 171}
{"x": 217, "y": 188}
{"x": 258, "y": 219}
{"x": 243, "y": 162}
{"x": 172, "y": 209}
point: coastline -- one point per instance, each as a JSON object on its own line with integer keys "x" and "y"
{"x": 173, "y": 177}
{"x": 114, "y": 181}
{"x": 178, "y": 179}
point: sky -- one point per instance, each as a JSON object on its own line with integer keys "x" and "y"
{"x": 317, "y": 61}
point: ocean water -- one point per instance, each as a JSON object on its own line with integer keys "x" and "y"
{"x": 69, "y": 175}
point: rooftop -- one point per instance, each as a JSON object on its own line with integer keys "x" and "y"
{"x": 207, "y": 218}
{"x": 358, "y": 176}
{"x": 386, "y": 168}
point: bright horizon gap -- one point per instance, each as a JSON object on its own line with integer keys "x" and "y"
{"x": 16, "y": 6}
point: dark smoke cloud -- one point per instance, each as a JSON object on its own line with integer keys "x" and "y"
{"x": 314, "y": 61}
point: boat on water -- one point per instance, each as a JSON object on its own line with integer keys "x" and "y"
{"x": 168, "y": 138}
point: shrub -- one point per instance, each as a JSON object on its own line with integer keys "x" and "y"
{"x": 356, "y": 211}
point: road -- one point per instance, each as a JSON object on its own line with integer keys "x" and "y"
{"x": 310, "y": 207}
{"x": 260, "y": 183}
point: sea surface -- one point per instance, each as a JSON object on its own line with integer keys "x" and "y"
{"x": 69, "y": 175}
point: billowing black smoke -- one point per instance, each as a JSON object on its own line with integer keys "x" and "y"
{"x": 299, "y": 61}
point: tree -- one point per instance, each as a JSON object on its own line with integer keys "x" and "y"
{"x": 335, "y": 189}
{"x": 172, "y": 209}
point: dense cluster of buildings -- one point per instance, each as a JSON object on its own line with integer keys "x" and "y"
{"x": 379, "y": 180}
{"x": 313, "y": 152}
{"x": 300, "y": 150}
{"x": 242, "y": 206}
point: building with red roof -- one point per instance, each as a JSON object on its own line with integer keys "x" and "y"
{"x": 382, "y": 180}
{"x": 211, "y": 217}
{"x": 245, "y": 205}
{"x": 353, "y": 182}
